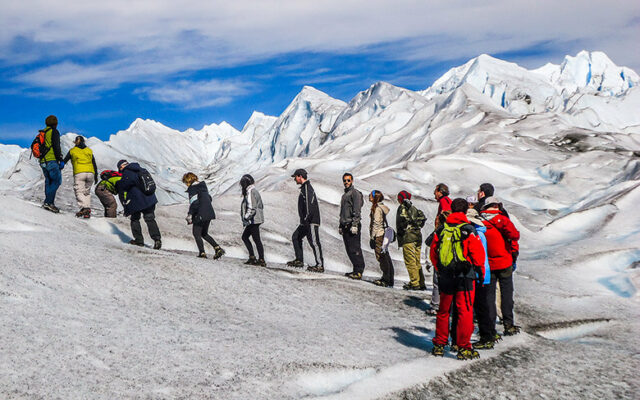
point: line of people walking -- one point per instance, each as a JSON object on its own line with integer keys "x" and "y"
{"x": 473, "y": 247}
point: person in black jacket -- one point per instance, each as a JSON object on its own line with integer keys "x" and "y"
{"x": 200, "y": 214}
{"x": 350, "y": 226}
{"x": 137, "y": 204}
{"x": 309, "y": 213}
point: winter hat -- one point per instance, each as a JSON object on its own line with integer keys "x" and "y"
{"x": 474, "y": 217}
{"x": 122, "y": 164}
{"x": 491, "y": 200}
{"x": 300, "y": 172}
{"x": 51, "y": 120}
{"x": 403, "y": 195}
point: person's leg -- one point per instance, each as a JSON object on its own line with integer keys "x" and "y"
{"x": 54, "y": 178}
{"x": 498, "y": 300}
{"x": 206, "y": 236}
{"x": 411, "y": 254}
{"x": 108, "y": 201}
{"x": 314, "y": 240}
{"x": 454, "y": 323}
{"x": 47, "y": 183}
{"x": 296, "y": 238}
{"x": 505, "y": 278}
{"x": 245, "y": 238}
{"x": 136, "y": 228}
{"x": 442, "y": 320}
{"x": 86, "y": 192}
{"x": 481, "y": 306}
{"x": 197, "y": 235}
{"x": 78, "y": 189}
{"x": 152, "y": 225}
{"x": 255, "y": 234}
{"x": 435, "y": 292}
{"x": 491, "y": 303}
{"x": 352, "y": 244}
{"x": 464, "y": 306}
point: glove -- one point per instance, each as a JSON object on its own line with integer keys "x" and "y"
{"x": 61, "y": 164}
{"x": 340, "y": 230}
{"x": 189, "y": 219}
{"x": 354, "y": 230}
{"x": 372, "y": 244}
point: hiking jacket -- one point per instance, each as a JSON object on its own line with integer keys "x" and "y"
{"x": 52, "y": 142}
{"x": 376, "y": 226}
{"x": 481, "y": 231}
{"x": 132, "y": 198}
{"x": 110, "y": 183}
{"x": 252, "y": 209}
{"x": 471, "y": 246}
{"x": 200, "y": 207}
{"x": 407, "y": 230}
{"x": 444, "y": 204}
{"x": 350, "y": 208}
{"x": 308, "y": 209}
{"x": 502, "y": 239}
{"x": 82, "y": 160}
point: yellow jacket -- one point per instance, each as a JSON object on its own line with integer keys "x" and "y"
{"x": 81, "y": 159}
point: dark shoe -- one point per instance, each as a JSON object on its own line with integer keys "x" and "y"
{"x": 511, "y": 330}
{"x": 80, "y": 213}
{"x": 202, "y": 255}
{"x": 157, "y": 244}
{"x": 219, "y": 253}
{"x": 438, "y": 350}
{"x": 454, "y": 348}
{"x": 484, "y": 344}
{"x": 133, "y": 242}
{"x": 467, "y": 354}
{"x": 316, "y": 268}
{"x": 50, "y": 207}
{"x": 251, "y": 261}
{"x": 408, "y": 286}
{"x": 380, "y": 283}
{"x": 295, "y": 264}
{"x": 261, "y": 263}
{"x": 431, "y": 311}
{"x": 354, "y": 275}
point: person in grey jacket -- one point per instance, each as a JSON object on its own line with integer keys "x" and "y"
{"x": 252, "y": 214}
{"x": 350, "y": 226}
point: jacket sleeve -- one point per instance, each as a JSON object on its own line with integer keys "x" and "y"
{"x": 194, "y": 203}
{"x": 401, "y": 222}
{"x": 309, "y": 195}
{"x": 433, "y": 255}
{"x": 95, "y": 167}
{"x": 510, "y": 233}
{"x": 67, "y": 157}
{"x": 55, "y": 143}
{"x": 357, "y": 209}
{"x": 475, "y": 253}
{"x": 251, "y": 205}
{"x": 127, "y": 182}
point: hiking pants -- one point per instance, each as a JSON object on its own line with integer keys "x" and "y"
{"x": 311, "y": 233}
{"x": 486, "y": 308}
{"x": 352, "y": 243}
{"x": 386, "y": 264}
{"x": 108, "y": 201}
{"x": 435, "y": 292}
{"x": 201, "y": 231}
{"x": 82, "y": 183}
{"x": 253, "y": 231}
{"x": 150, "y": 219}
{"x": 52, "y": 180}
{"x": 463, "y": 299}
{"x": 498, "y": 301}
{"x": 411, "y": 253}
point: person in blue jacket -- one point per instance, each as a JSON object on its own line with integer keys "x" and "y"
{"x": 137, "y": 204}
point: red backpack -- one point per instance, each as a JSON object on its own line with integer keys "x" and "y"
{"x": 107, "y": 173}
{"x": 38, "y": 147}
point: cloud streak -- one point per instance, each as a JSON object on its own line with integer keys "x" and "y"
{"x": 196, "y": 94}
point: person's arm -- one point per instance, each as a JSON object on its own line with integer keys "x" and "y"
{"x": 476, "y": 254}
{"x": 251, "y": 209}
{"x": 194, "y": 203}
{"x": 307, "y": 202}
{"x": 55, "y": 143}
{"x": 126, "y": 182}
{"x": 67, "y": 157}
{"x": 95, "y": 168}
{"x": 356, "y": 213}
{"x": 433, "y": 254}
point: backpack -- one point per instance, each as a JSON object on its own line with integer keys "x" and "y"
{"x": 38, "y": 147}
{"x": 107, "y": 173}
{"x": 146, "y": 183}
{"x": 420, "y": 219}
{"x": 451, "y": 258}
{"x": 388, "y": 229}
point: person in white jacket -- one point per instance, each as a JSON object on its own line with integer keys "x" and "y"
{"x": 252, "y": 214}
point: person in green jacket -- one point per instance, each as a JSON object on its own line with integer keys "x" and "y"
{"x": 51, "y": 163}
{"x": 409, "y": 222}
{"x": 106, "y": 191}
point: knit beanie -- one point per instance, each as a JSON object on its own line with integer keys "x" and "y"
{"x": 403, "y": 195}
{"x": 122, "y": 163}
{"x": 51, "y": 121}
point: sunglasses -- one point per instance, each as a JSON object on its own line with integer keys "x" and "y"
{"x": 346, "y": 180}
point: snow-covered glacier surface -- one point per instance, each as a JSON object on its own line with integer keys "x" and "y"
{"x": 87, "y": 316}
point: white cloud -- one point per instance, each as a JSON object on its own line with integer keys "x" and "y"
{"x": 196, "y": 94}
{"x": 123, "y": 41}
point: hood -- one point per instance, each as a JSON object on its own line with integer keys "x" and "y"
{"x": 81, "y": 146}
{"x": 135, "y": 167}
{"x": 384, "y": 208}
{"x": 457, "y": 218}
{"x": 197, "y": 187}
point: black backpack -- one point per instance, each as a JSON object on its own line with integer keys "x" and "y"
{"x": 146, "y": 184}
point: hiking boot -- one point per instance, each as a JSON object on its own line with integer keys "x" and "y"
{"x": 295, "y": 264}
{"x": 511, "y": 330}
{"x": 80, "y": 213}
{"x": 497, "y": 337}
{"x": 467, "y": 354}
{"x": 136, "y": 243}
{"x": 202, "y": 255}
{"x": 87, "y": 213}
{"x": 251, "y": 261}
{"x": 157, "y": 244}
{"x": 484, "y": 344}
{"x": 316, "y": 268}
{"x": 50, "y": 207}
{"x": 219, "y": 252}
{"x": 408, "y": 286}
{"x": 261, "y": 262}
{"x": 380, "y": 283}
{"x": 431, "y": 311}
{"x": 454, "y": 348}
{"x": 438, "y": 350}
{"x": 354, "y": 275}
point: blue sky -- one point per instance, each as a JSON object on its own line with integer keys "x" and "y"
{"x": 98, "y": 67}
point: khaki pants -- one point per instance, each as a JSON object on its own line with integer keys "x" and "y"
{"x": 411, "y": 253}
{"x": 108, "y": 201}
{"x": 82, "y": 188}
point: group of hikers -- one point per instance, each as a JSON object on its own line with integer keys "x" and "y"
{"x": 473, "y": 246}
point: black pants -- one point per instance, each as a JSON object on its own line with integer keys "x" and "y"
{"x": 486, "y": 303}
{"x": 201, "y": 231}
{"x": 352, "y": 243}
{"x": 253, "y": 231}
{"x": 386, "y": 264}
{"x": 149, "y": 219}
{"x": 311, "y": 233}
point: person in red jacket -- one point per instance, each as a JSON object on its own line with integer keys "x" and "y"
{"x": 502, "y": 246}
{"x": 441, "y": 194}
{"x": 456, "y": 279}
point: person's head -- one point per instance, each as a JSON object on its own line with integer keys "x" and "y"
{"x": 441, "y": 191}
{"x": 459, "y": 205}
{"x": 347, "y": 180}
{"x": 245, "y": 182}
{"x": 485, "y": 190}
{"x": 492, "y": 203}
{"x": 472, "y": 200}
{"x": 403, "y": 195}
{"x": 122, "y": 164}
{"x": 51, "y": 121}
{"x": 376, "y": 196}
{"x": 300, "y": 176}
{"x": 79, "y": 140}
{"x": 189, "y": 178}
